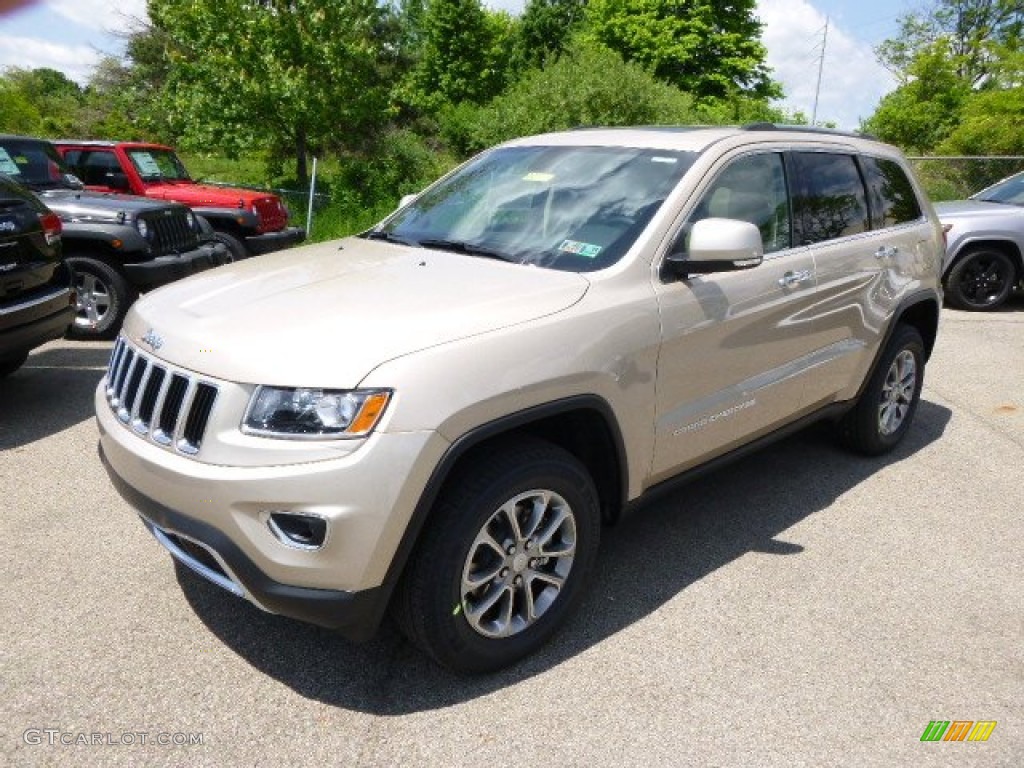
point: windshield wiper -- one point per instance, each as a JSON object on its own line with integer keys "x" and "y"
{"x": 461, "y": 246}
{"x": 380, "y": 234}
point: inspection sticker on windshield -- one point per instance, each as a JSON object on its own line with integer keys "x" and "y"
{"x": 588, "y": 250}
{"x": 7, "y": 165}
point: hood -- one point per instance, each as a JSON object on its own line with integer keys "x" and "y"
{"x": 199, "y": 195}
{"x": 326, "y": 315}
{"x": 82, "y": 205}
{"x": 975, "y": 209}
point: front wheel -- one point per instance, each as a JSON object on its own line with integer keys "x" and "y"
{"x": 103, "y": 299}
{"x": 504, "y": 559}
{"x": 235, "y": 246}
{"x": 982, "y": 279}
{"x": 886, "y": 407}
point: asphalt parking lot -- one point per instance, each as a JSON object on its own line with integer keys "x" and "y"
{"x": 801, "y": 607}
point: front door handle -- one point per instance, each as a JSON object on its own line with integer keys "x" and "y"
{"x": 790, "y": 279}
{"x": 886, "y": 252}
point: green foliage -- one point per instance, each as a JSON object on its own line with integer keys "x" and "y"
{"x": 401, "y": 163}
{"x": 961, "y": 75}
{"x": 465, "y": 54}
{"x": 919, "y": 115}
{"x": 44, "y": 102}
{"x": 710, "y": 48}
{"x": 296, "y": 74}
{"x": 591, "y": 85}
{"x": 546, "y": 27}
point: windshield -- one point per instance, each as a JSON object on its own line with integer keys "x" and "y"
{"x": 158, "y": 165}
{"x": 35, "y": 164}
{"x": 575, "y": 209}
{"x": 1010, "y": 191}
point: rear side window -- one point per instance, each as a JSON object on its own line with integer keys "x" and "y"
{"x": 829, "y": 200}
{"x": 93, "y": 167}
{"x": 890, "y": 193}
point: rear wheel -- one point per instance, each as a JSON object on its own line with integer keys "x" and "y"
{"x": 886, "y": 407}
{"x": 103, "y": 299}
{"x": 983, "y": 278}
{"x": 505, "y": 558}
{"x": 235, "y": 246}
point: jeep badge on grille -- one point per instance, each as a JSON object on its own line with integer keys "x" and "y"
{"x": 152, "y": 339}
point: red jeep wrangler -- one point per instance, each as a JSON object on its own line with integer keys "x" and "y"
{"x": 246, "y": 221}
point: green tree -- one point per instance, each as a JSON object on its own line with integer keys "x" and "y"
{"x": 45, "y": 92}
{"x": 546, "y": 26}
{"x": 971, "y": 30}
{"x": 924, "y": 111}
{"x": 960, "y": 73}
{"x": 291, "y": 76}
{"x": 464, "y": 56}
{"x": 588, "y": 85}
{"x": 709, "y": 48}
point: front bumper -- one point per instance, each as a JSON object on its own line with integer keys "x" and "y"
{"x": 166, "y": 269}
{"x": 275, "y": 241}
{"x": 355, "y": 615}
{"x": 33, "y": 322}
{"x": 367, "y": 496}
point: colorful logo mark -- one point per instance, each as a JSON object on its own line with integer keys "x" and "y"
{"x": 958, "y": 730}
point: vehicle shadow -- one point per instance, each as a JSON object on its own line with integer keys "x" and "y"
{"x": 51, "y": 392}
{"x": 644, "y": 562}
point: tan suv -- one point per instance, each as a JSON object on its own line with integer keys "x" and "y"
{"x": 438, "y": 416}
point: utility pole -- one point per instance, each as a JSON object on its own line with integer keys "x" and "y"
{"x": 821, "y": 65}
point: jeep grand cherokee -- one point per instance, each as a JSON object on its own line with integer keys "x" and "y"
{"x": 439, "y": 415}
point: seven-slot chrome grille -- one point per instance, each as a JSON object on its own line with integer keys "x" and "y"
{"x": 170, "y": 232}
{"x": 168, "y": 406}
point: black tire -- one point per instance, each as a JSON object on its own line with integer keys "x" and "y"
{"x": 886, "y": 407}
{"x": 104, "y": 297}
{"x": 235, "y": 246}
{"x": 431, "y": 605}
{"x": 982, "y": 279}
{"x": 10, "y": 364}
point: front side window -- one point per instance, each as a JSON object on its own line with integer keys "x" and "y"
{"x": 890, "y": 192}
{"x": 828, "y": 197}
{"x": 575, "y": 209}
{"x": 751, "y": 189}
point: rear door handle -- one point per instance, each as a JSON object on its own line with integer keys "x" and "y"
{"x": 886, "y": 252}
{"x": 790, "y": 279}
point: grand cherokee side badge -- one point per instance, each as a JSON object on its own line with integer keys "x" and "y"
{"x": 152, "y": 339}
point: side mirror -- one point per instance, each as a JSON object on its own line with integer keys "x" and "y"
{"x": 406, "y": 199}
{"x": 718, "y": 245}
{"x": 117, "y": 180}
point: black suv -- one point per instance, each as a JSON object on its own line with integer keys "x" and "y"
{"x": 37, "y": 300}
{"x": 117, "y": 245}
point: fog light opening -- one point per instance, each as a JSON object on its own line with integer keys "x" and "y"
{"x": 302, "y": 531}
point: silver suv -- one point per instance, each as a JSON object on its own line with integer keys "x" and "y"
{"x": 440, "y": 415}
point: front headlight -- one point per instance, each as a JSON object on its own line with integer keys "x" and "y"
{"x": 300, "y": 412}
{"x": 143, "y": 228}
{"x": 193, "y": 221}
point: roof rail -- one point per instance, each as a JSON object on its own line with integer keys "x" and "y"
{"x": 807, "y": 129}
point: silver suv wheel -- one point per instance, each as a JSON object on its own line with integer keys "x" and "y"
{"x": 518, "y": 563}
{"x": 897, "y": 392}
{"x": 93, "y": 301}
